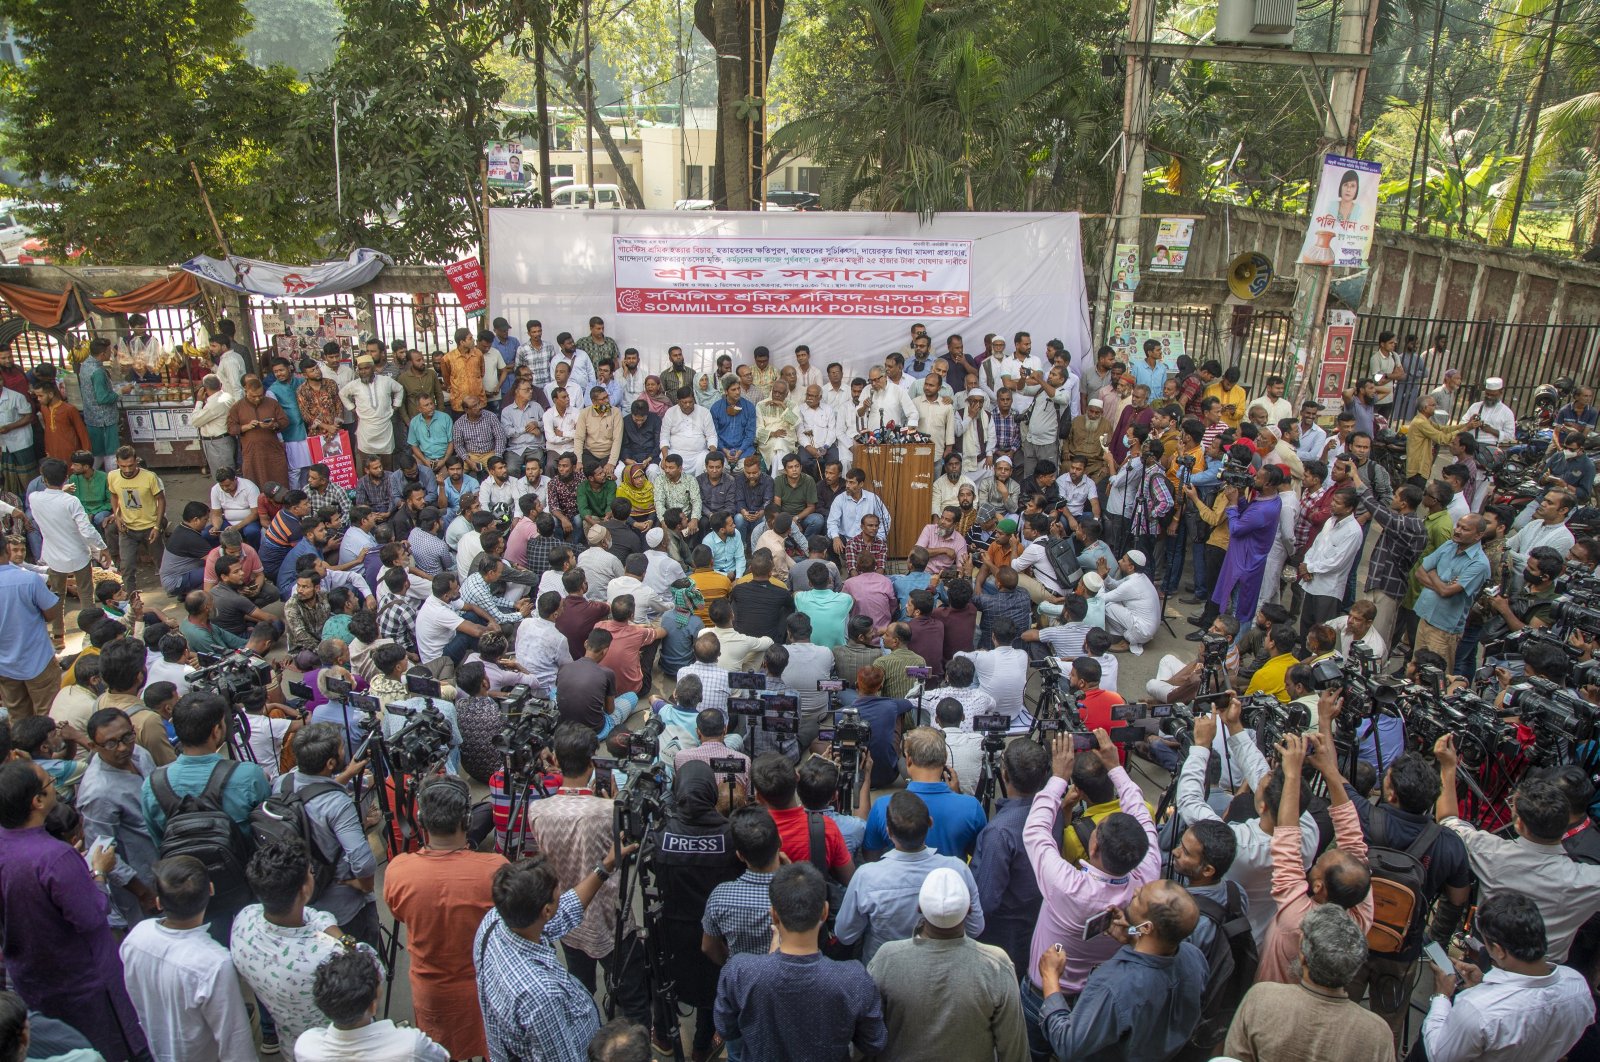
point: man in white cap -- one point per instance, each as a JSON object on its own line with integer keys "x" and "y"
{"x": 1133, "y": 608}
{"x": 975, "y": 427}
{"x": 661, "y": 569}
{"x": 1083, "y": 440}
{"x": 1497, "y": 425}
{"x": 1089, "y": 588}
{"x": 373, "y": 398}
{"x": 942, "y": 988}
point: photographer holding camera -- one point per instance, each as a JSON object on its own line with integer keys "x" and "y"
{"x": 1252, "y": 863}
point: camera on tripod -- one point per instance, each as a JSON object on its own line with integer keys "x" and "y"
{"x": 1214, "y": 649}
{"x": 529, "y": 727}
{"x": 1556, "y": 716}
{"x": 237, "y": 677}
{"x": 851, "y": 736}
{"x": 1271, "y": 718}
{"x": 993, "y": 726}
{"x": 422, "y": 745}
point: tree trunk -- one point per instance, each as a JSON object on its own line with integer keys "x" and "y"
{"x": 726, "y": 27}
{"x": 632, "y": 197}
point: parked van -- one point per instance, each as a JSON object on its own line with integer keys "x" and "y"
{"x": 576, "y": 197}
{"x": 12, "y": 231}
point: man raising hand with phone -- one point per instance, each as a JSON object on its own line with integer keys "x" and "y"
{"x": 1122, "y": 857}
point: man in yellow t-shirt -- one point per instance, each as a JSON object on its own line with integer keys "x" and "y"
{"x": 1272, "y": 676}
{"x": 1231, "y": 395}
{"x": 1423, "y": 437}
{"x": 138, "y": 512}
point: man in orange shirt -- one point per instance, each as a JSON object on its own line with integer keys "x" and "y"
{"x": 441, "y": 893}
{"x": 64, "y": 431}
{"x": 462, "y": 370}
{"x": 1002, "y": 551}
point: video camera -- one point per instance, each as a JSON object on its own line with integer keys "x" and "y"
{"x": 1559, "y": 718}
{"x": 529, "y": 727}
{"x": 1240, "y": 477}
{"x": 238, "y": 678}
{"x": 851, "y": 737}
{"x": 421, "y": 746}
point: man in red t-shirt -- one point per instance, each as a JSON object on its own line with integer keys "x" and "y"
{"x": 776, "y": 790}
{"x": 1094, "y": 703}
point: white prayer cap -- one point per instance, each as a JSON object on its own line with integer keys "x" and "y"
{"x": 944, "y": 899}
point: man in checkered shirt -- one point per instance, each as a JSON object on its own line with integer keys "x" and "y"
{"x": 532, "y": 1007}
{"x": 738, "y": 918}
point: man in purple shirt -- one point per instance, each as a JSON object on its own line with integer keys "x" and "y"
{"x": 59, "y": 952}
{"x": 873, "y": 593}
{"x": 1123, "y": 855}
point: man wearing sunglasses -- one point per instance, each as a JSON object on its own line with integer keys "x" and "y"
{"x": 108, "y": 800}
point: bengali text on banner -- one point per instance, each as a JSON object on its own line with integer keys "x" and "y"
{"x": 883, "y": 277}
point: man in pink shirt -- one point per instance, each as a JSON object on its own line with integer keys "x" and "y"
{"x": 626, "y": 657}
{"x": 522, "y": 529}
{"x": 873, "y": 593}
{"x": 1339, "y": 876}
{"x": 945, "y": 545}
{"x": 1123, "y": 856}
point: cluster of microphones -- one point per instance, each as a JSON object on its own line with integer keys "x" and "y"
{"x": 891, "y": 433}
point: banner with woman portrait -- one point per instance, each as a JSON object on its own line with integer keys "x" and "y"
{"x": 1345, "y": 214}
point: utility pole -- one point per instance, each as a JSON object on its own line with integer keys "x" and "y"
{"x": 1129, "y": 197}
{"x": 542, "y": 104}
{"x": 588, "y": 106}
{"x": 1358, "y": 18}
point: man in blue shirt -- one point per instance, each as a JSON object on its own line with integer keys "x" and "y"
{"x": 735, "y": 422}
{"x": 1451, "y": 577}
{"x": 881, "y": 901}
{"x": 313, "y": 539}
{"x": 1152, "y": 372}
{"x": 430, "y": 435}
{"x": 1008, "y": 890}
{"x": 29, "y": 674}
{"x": 957, "y": 817}
{"x": 201, "y": 721}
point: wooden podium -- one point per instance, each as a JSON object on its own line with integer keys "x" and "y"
{"x": 902, "y": 475}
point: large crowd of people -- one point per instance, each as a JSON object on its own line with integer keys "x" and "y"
{"x": 898, "y": 853}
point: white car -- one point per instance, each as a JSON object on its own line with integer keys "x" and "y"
{"x": 577, "y": 196}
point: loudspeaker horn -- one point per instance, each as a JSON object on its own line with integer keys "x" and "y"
{"x": 1249, "y": 274}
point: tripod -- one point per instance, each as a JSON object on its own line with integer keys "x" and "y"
{"x": 989, "y": 775}
{"x": 636, "y": 874}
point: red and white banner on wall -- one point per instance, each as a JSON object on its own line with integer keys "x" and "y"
{"x": 466, "y": 280}
{"x": 729, "y": 276}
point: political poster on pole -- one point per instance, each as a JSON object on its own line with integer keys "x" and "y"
{"x": 1173, "y": 236}
{"x": 1345, "y": 215}
{"x": 1334, "y": 372}
{"x": 1125, "y": 268}
{"x": 505, "y": 165}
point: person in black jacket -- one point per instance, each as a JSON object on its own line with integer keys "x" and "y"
{"x": 761, "y": 607}
{"x": 183, "y": 565}
{"x": 693, "y": 854}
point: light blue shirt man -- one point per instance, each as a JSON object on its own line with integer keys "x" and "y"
{"x": 1467, "y": 567}
{"x": 727, "y": 554}
{"x": 431, "y": 435}
{"x": 24, "y": 599}
{"x": 881, "y": 903}
{"x": 844, "y": 516}
{"x": 1152, "y": 376}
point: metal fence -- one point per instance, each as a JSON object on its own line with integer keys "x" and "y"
{"x": 1524, "y": 355}
{"x": 426, "y": 320}
{"x": 1257, "y": 343}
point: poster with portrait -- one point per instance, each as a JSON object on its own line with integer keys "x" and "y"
{"x": 1337, "y": 341}
{"x": 506, "y": 169}
{"x": 334, "y": 451}
{"x": 1125, "y": 268}
{"x": 1171, "y": 252}
{"x": 1345, "y": 214}
{"x": 310, "y": 330}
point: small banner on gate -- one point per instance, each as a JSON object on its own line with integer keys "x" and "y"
{"x": 334, "y": 451}
{"x": 466, "y": 280}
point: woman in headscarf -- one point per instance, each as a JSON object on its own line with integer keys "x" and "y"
{"x": 693, "y": 855}
{"x": 706, "y": 391}
{"x": 655, "y": 396}
{"x": 635, "y": 489}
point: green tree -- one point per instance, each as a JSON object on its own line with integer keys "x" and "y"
{"x": 118, "y": 104}
{"x": 418, "y": 102}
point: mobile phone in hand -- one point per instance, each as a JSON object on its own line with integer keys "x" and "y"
{"x": 1098, "y": 924}
{"x": 1436, "y": 955}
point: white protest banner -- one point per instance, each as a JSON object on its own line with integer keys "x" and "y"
{"x": 848, "y": 285}
{"x": 1346, "y": 213}
{"x": 274, "y": 279}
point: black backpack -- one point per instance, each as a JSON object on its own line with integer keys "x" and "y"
{"x": 198, "y": 826}
{"x": 1231, "y": 961}
{"x": 832, "y": 946}
{"x": 1399, "y": 883}
{"x": 282, "y": 817}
